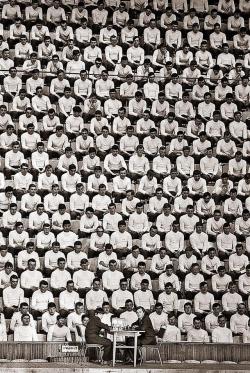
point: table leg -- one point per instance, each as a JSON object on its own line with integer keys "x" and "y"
{"x": 135, "y": 350}
{"x": 114, "y": 348}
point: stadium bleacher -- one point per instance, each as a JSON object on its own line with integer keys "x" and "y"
{"x": 124, "y": 173}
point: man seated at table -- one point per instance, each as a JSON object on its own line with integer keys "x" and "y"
{"x": 92, "y": 332}
{"x": 143, "y": 324}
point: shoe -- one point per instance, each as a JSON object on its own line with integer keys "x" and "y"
{"x": 106, "y": 362}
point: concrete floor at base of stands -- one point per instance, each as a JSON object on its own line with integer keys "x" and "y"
{"x": 146, "y": 368}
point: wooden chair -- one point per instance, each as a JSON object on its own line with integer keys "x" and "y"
{"x": 86, "y": 346}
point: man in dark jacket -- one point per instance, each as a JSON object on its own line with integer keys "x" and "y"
{"x": 92, "y": 334}
{"x": 147, "y": 338}
{"x": 144, "y": 323}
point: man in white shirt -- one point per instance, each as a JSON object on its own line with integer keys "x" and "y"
{"x": 40, "y": 300}
{"x": 121, "y": 240}
{"x": 138, "y": 222}
{"x": 220, "y": 282}
{"x": 68, "y": 299}
{"x": 95, "y": 297}
{"x": 203, "y": 301}
{"x": 120, "y": 296}
{"x": 169, "y": 299}
{"x": 239, "y": 321}
{"x": 144, "y": 297}
{"x": 226, "y": 242}
{"x": 222, "y": 334}
{"x": 59, "y": 277}
{"x": 237, "y": 262}
{"x": 185, "y": 320}
{"x": 83, "y": 278}
{"x": 231, "y": 300}
{"x": 197, "y": 334}
{"x": 25, "y": 332}
{"x": 13, "y": 296}
{"x": 244, "y": 283}
{"x": 193, "y": 281}
{"x": 30, "y": 278}
{"x": 67, "y": 237}
{"x": 111, "y": 278}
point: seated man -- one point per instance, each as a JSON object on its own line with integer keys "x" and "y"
{"x": 59, "y": 332}
{"x": 203, "y": 301}
{"x": 68, "y": 299}
{"x": 197, "y": 334}
{"x": 92, "y": 333}
{"x": 170, "y": 331}
{"x": 25, "y": 332}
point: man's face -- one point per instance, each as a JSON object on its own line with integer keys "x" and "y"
{"x": 239, "y": 250}
{"x": 221, "y": 272}
{"x": 61, "y": 264}
{"x": 129, "y": 306}
{"x": 85, "y": 321}
{"x": 3, "y": 111}
{"x": 32, "y": 191}
{"x": 144, "y": 286}
{"x": 96, "y": 285}
{"x": 222, "y": 322}
{"x": 195, "y": 270}
{"x": 61, "y": 322}
{"x": 46, "y": 230}
{"x": 112, "y": 266}
{"x": 204, "y": 289}
{"x": 197, "y": 324}
{"x": 32, "y": 266}
{"x": 136, "y": 42}
{"x": 232, "y": 288}
{"x": 19, "y": 229}
{"x": 24, "y": 310}
{"x": 13, "y": 210}
{"x": 139, "y": 209}
{"x": 78, "y": 248}
{"x": 40, "y": 210}
{"x": 52, "y": 310}
{"x": 99, "y": 232}
{"x": 241, "y": 309}
{"x": 43, "y": 288}
{"x": 140, "y": 313}
{"x": 80, "y": 190}
{"x": 158, "y": 310}
{"x": 188, "y": 309}
{"x": 136, "y": 253}
{"x": 30, "y": 249}
{"x": 169, "y": 271}
{"x": 14, "y": 283}
{"x": 141, "y": 269}
{"x": 70, "y": 287}
{"x": 102, "y": 191}
{"x": 171, "y": 320}
{"x": 26, "y": 320}
{"x": 168, "y": 289}
{"x": 153, "y": 232}
{"x": 124, "y": 285}
{"x": 8, "y": 270}
{"x": 122, "y": 228}
{"x": 85, "y": 266}
{"x": 56, "y": 248}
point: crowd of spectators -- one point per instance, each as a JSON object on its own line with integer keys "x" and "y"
{"x": 125, "y": 183}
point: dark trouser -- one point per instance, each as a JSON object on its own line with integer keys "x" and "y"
{"x": 105, "y": 342}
